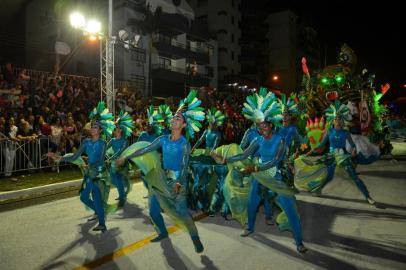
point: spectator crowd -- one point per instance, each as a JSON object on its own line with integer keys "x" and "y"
{"x": 52, "y": 109}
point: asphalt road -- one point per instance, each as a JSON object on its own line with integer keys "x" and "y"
{"x": 339, "y": 228}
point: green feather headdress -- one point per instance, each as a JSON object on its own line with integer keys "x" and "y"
{"x": 126, "y": 123}
{"x": 155, "y": 119}
{"x": 337, "y": 110}
{"x": 289, "y": 105}
{"x": 165, "y": 111}
{"x": 215, "y": 117}
{"x": 263, "y": 91}
{"x": 193, "y": 114}
{"x": 103, "y": 118}
{"x": 262, "y": 107}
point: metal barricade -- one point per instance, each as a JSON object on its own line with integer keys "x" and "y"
{"x": 31, "y": 155}
{"x": 27, "y": 155}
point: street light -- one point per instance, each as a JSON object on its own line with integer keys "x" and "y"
{"x": 77, "y": 20}
{"x": 275, "y": 77}
{"x": 93, "y": 27}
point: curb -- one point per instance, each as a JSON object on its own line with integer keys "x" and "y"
{"x": 390, "y": 157}
{"x": 37, "y": 191}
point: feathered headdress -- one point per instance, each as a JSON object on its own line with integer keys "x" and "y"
{"x": 289, "y": 105}
{"x": 215, "y": 117}
{"x": 103, "y": 118}
{"x": 165, "y": 111}
{"x": 126, "y": 123}
{"x": 155, "y": 119}
{"x": 262, "y": 107}
{"x": 338, "y": 110}
{"x": 263, "y": 91}
{"x": 191, "y": 111}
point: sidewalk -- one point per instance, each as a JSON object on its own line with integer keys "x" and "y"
{"x": 45, "y": 190}
{"x": 35, "y": 192}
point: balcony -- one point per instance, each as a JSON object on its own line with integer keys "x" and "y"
{"x": 176, "y": 50}
{"x": 176, "y": 74}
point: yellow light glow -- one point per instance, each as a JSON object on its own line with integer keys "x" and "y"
{"x": 93, "y": 27}
{"x": 77, "y": 20}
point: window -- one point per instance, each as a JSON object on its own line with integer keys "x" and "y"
{"x": 232, "y": 2}
{"x": 232, "y": 20}
{"x": 210, "y": 50}
{"x": 232, "y": 71}
{"x": 222, "y": 12}
{"x": 222, "y": 31}
{"x": 232, "y": 55}
{"x": 222, "y": 68}
{"x": 223, "y": 50}
{"x": 232, "y": 38}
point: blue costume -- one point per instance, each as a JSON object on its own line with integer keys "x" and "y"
{"x": 211, "y": 137}
{"x": 146, "y": 137}
{"x": 337, "y": 139}
{"x": 175, "y": 156}
{"x": 95, "y": 179}
{"x": 262, "y": 108}
{"x": 202, "y": 171}
{"x": 292, "y": 141}
{"x": 202, "y": 167}
{"x": 271, "y": 154}
{"x": 257, "y": 192}
{"x": 119, "y": 177}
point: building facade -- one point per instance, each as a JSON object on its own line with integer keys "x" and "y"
{"x": 223, "y": 19}
{"x": 174, "y": 52}
{"x": 289, "y": 41}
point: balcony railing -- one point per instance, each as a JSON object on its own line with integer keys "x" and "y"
{"x": 178, "y": 70}
{"x": 169, "y": 67}
{"x": 175, "y": 43}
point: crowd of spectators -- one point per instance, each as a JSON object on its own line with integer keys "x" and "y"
{"x": 51, "y": 107}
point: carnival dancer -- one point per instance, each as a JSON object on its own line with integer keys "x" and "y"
{"x": 265, "y": 111}
{"x": 123, "y": 130}
{"x": 258, "y": 193}
{"x": 167, "y": 190}
{"x": 154, "y": 126}
{"x": 291, "y": 135}
{"x": 212, "y": 137}
{"x": 95, "y": 180}
{"x": 337, "y": 137}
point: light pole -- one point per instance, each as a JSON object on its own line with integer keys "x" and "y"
{"x": 92, "y": 28}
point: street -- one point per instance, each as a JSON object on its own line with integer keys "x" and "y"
{"x": 340, "y": 230}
